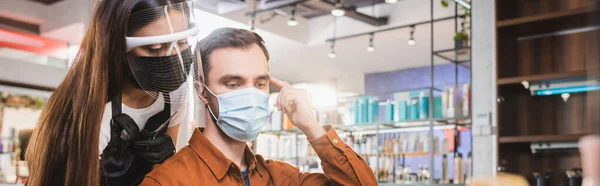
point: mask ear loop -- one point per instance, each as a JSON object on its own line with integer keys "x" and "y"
{"x": 209, "y": 109}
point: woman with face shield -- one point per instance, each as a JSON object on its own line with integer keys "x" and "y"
{"x": 118, "y": 110}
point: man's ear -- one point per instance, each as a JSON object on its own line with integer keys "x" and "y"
{"x": 201, "y": 91}
{"x": 204, "y": 98}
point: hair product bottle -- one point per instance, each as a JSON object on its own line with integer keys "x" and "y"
{"x": 426, "y": 175}
{"x": 399, "y": 171}
{"x": 444, "y": 179}
{"x": 423, "y": 105}
{"x": 420, "y": 173}
{"x": 458, "y": 165}
{"x": 468, "y": 168}
{"x": 406, "y": 173}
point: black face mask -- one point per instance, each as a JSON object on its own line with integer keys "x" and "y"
{"x": 165, "y": 74}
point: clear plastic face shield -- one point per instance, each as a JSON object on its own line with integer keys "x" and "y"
{"x": 161, "y": 50}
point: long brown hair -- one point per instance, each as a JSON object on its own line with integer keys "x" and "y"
{"x": 63, "y": 149}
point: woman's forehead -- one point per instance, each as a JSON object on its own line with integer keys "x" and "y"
{"x": 176, "y": 21}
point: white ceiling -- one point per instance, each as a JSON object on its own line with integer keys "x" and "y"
{"x": 299, "y": 54}
{"x": 309, "y": 61}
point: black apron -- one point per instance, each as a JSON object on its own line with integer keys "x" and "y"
{"x": 120, "y": 166}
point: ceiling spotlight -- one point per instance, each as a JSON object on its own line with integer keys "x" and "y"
{"x": 338, "y": 12}
{"x": 332, "y": 53}
{"x": 391, "y": 1}
{"x": 292, "y": 22}
{"x": 371, "y": 48}
{"x": 411, "y": 40}
{"x": 339, "y": 9}
{"x": 252, "y": 23}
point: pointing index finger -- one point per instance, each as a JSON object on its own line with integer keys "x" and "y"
{"x": 279, "y": 83}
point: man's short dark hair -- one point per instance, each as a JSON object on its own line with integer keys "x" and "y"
{"x": 228, "y": 38}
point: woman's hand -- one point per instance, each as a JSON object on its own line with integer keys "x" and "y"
{"x": 295, "y": 103}
{"x": 155, "y": 151}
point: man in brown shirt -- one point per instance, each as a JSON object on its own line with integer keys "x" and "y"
{"x": 237, "y": 77}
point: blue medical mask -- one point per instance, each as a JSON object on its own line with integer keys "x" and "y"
{"x": 242, "y": 113}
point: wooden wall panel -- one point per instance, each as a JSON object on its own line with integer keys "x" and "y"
{"x": 522, "y": 114}
{"x": 567, "y": 53}
{"x": 508, "y": 60}
{"x": 592, "y": 56}
{"x": 509, "y": 9}
{"x": 592, "y": 114}
{"x": 520, "y": 161}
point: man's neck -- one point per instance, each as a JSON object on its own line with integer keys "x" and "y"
{"x": 232, "y": 149}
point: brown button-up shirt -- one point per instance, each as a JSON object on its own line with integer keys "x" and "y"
{"x": 201, "y": 163}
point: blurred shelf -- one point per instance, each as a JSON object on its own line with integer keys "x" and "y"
{"x": 437, "y": 121}
{"x": 541, "y": 77}
{"x": 461, "y": 56}
{"x": 382, "y": 102}
{"x": 546, "y": 16}
{"x": 540, "y": 138}
{"x": 362, "y": 127}
{"x": 408, "y": 154}
{"x": 412, "y": 125}
{"x": 418, "y": 184}
{"x": 389, "y": 126}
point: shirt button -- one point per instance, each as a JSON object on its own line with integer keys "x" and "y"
{"x": 335, "y": 141}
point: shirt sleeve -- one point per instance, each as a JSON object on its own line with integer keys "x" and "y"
{"x": 340, "y": 163}
{"x": 149, "y": 181}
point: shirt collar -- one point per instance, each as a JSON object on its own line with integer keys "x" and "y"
{"x": 217, "y": 162}
{"x": 251, "y": 160}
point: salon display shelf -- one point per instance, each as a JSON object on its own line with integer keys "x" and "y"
{"x": 436, "y": 121}
{"x": 418, "y": 184}
{"x": 386, "y": 127}
{"x": 362, "y": 127}
{"x": 405, "y": 126}
{"x": 461, "y": 56}
{"x": 542, "y": 77}
{"x": 540, "y": 138}
{"x": 409, "y": 154}
{"x": 545, "y": 17}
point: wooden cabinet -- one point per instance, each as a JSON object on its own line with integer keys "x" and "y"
{"x": 539, "y": 41}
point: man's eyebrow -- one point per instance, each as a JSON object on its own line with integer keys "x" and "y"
{"x": 229, "y": 77}
{"x": 264, "y": 77}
